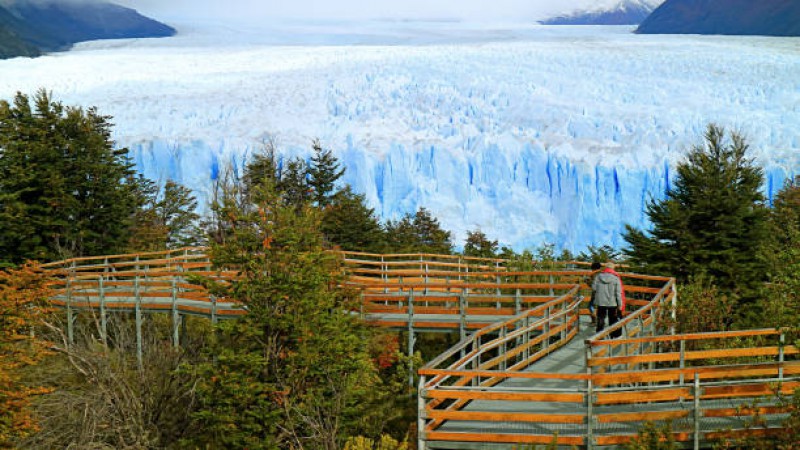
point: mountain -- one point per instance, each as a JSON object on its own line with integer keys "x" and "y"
{"x": 624, "y": 12}
{"x": 732, "y": 17}
{"x": 11, "y": 44}
{"x": 28, "y": 27}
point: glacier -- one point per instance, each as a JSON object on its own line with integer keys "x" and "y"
{"x": 533, "y": 134}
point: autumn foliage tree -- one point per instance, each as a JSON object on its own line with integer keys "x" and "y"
{"x": 22, "y": 293}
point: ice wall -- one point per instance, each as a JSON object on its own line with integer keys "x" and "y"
{"x": 523, "y": 196}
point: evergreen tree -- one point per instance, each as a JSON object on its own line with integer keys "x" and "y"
{"x": 293, "y": 183}
{"x": 477, "y": 244}
{"x": 420, "y": 232}
{"x": 779, "y": 303}
{"x": 348, "y": 223}
{"x": 598, "y": 254}
{"x": 147, "y": 233}
{"x": 264, "y": 166}
{"x": 712, "y": 220}
{"x": 64, "y": 189}
{"x": 323, "y": 173}
{"x": 295, "y": 371}
{"x": 176, "y": 213}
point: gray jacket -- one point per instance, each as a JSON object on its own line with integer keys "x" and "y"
{"x": 607, "y": 290}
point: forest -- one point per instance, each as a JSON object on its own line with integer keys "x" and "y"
{"x": 298, "y": 371}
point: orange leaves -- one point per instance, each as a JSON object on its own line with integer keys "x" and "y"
{"x": 23, "y": 294}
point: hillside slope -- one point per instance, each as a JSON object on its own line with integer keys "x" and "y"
{"x": 727, "y": 17}
{"x": 29, "y": 27}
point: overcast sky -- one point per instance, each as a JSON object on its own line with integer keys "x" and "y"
{"x": 517, "y": 10}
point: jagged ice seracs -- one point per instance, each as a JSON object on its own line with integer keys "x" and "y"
{"x": 532, "y": 134}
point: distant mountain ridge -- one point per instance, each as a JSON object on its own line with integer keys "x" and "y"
{"x": 624, "y": 12}
{"x": 28, "y": 27}
{"x": 726, "y": 17}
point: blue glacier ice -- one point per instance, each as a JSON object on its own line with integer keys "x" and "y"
{"x": 533, "y": 134}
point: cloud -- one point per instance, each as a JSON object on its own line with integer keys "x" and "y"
{"x": 517, "y": 10}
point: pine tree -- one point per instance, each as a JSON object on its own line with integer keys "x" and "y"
{"x": 779, "y": 303}
{"x": 323, "y": 173}
{"x": 712, "y": 220}
{"x": 295, "y": 371}
{"x": 293, "y": 183}
{"x": 176, "y": 212}
{"x": 420, "y": 232}
{"x": 347, "y": 222}
{"x": 64, "y": 189}
{"x": 477, "y": 244}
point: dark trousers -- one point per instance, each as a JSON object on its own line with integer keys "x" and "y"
{"x": 602, "y": 312}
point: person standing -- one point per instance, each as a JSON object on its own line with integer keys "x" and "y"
{"x": 596, "y": 266}
{"x": 607, "y": 295}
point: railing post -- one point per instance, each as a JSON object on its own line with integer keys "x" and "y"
{"x": 526, "y": 337}
{"x": 462, "y": 311}
{"x": 682, "y": 363}
{"x": 517, "y": 302}
{"x": 385, "y": 275}
{"x": 503, "y": 333}
{"x": 674, "y": 312}
{"x": 697, "y": 411}
{"x": 214, "y": 318}
{"x": 138, "y": 313}
{"x": 781, "y": 357}
{"x": 176, "y": 337}
{"x": 546, "y": 331}
{"x": 421, "y": 414}
{"x": 497, "y": 290}
{"x": 103, "y": 317}
{"x": 70, "y": 318}
{"x": 589, "y": 399}
{"x": 427, "y": 279}
{"x": 411, "y": 338}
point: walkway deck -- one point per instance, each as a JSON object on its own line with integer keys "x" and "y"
{"x": 529, "y": 369}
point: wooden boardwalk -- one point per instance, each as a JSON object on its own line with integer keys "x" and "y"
{"x": 529, "y": 369}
